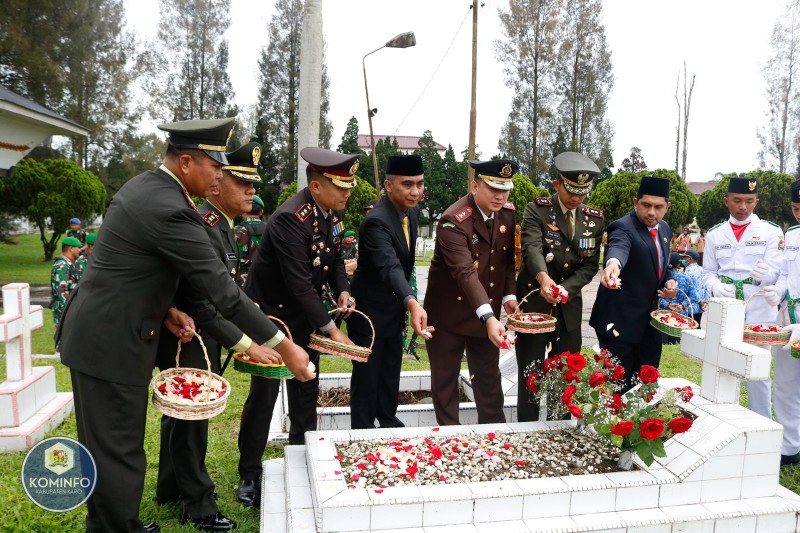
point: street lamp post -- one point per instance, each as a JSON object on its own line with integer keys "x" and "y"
{"x": 404, "y": 40}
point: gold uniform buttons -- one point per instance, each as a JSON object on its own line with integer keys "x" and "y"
{"x": 458, "y": 298}
{"x": 566, "y": 265}
{"x": 567, "y": 250}
{"x": 491, "y": 284}
{"x": 491, "y": 268}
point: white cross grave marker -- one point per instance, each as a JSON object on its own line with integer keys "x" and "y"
{"x": 726, "y": 358}
{"x": 18, "y": 320}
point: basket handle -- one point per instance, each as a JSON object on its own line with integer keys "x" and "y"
{"x": 208, "y": 362}
{"x": 518, "y": 312}
{"x": 751, "y": 297}
{"x": 689, "y": 300}
{"x": 342, "y": 309}
{"x": 282, "y": 323}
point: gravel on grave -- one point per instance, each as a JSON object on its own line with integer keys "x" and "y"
{"x": 433, "y": 460}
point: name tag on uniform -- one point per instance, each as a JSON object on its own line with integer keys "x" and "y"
{"x": 722, "y": 247}
{"x": 231, "y": 256}
{"x": 755, "y": 243}
{"x": 792, "y": 248}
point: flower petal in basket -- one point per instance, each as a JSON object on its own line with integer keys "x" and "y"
{"x": 531, "y": 323}
{"x": 671, "y": 323}
{"x": 243, "y": 363}
{"x": 766, "y": 334}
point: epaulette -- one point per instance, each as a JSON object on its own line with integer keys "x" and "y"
{"x": 211, "y": 218}
{"x": 591, "y": 211}
{"x": 793, "y": 228}
{"x": 545, "y": 201}
{"x": 304, "y": 212}
{"x": 463, "y": 215}
{"x": 715, "y": 227}
{"x": 509, "y": 205}
{"x": 774, "y": 224}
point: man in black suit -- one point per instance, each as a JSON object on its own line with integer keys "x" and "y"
{"x": 635, "y": 276}
{"x": 296, "y": 260}
{"x": 152, "y": 234}
{"x": 381, "y": 287}
{"x": 182, "y": 475}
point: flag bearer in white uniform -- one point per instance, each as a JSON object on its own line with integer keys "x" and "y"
{"x": 743, "y": 256}
{"x": 786, "y": 292}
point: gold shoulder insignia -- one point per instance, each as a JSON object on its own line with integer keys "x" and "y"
{"x": 545, "y": 201}
{"x": 591, "y": 211}
{"x": 509, "y": 205}
{"x": 211, "y": 218}
{"x": 463, "y": 215}
{"x": 303, "y": 213}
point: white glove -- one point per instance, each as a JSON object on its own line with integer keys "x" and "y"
{"x": 795, "y": 329}
{"x": 724, "y": 290}
{"x": 772, "y": 296}
{"x": 760, "y": 271}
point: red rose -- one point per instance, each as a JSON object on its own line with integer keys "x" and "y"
{"x": 569, "y": 391}
{"x": 686, "y": 393}
{"x": 597, "y": 378}
{"x": 622, "y": 428}
{"x": 619, "y": 373}
{"x": 648, "y": 396}
{"x": 615, "y": 403}
{"x": 680, "y": 425}
{"x": 576, "y": 362}
{"x": 651, "y": 429}
{"x": 648, "y": 374}
{"x": 549, "y": 364}
{"x": 575, "y": 410}
{"x": 531, "y": 382}
{"x": 570, "y": 376}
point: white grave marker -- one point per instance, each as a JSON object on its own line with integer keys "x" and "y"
{"x": 29, "y": 403}
{"x": 726, "y": 358}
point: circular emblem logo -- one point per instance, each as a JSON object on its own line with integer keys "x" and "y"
{"x": 354, "y": 168}
{"x": 256, "y": 155}
{"x": 59, "y": 474}
{"x": 506, "y": 171}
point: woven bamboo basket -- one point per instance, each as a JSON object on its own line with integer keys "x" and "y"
{"x": 338, "y": 349}
{"x": 202, "y": 409}
{"x": 530, "y": 322}
{"x": 243, "y": 363}
{"x": 678, "y": 320}
{"x": 777, "y": 337}
{"x": 795, "y": 351}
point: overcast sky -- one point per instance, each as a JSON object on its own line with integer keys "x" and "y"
{"x": 725, "y": 43}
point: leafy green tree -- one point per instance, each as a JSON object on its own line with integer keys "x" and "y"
{"x": 349, "y": 144}
{"x": 774, "y": 203}
{"x": 132, "y": 154}
{"x": 49, "y": 193}
{"x": 383, "y": 148}
{"x": 683, "y": 202}
{"x": 524, "y": 191}
{"x": 634, "y": 162}
{"x": 287, "y": 193}
{"x": 443, "y": 186}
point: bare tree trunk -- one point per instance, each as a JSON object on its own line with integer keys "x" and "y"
{"x": 678, "y": 127}
{"x": 687, "y": 102}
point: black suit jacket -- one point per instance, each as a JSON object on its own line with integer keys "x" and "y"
{"x": 628, "y": 308}
{"x": 216, "y": 331}
{"x": 385, "y": 262}
{"x": 150, "y": 237}
{"x": 298, "y": 254}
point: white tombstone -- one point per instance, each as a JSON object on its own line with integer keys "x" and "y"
{"x": 726, "y": 358}
{"x": 29, "y": 403}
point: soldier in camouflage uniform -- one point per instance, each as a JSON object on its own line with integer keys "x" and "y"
{"x": 62, "y": 276}
{"x": 83, "y": 258}
{"x": 76, "y": 231}
{"x": 248, "y": 237}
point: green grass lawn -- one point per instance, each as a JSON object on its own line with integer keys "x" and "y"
{"x": 24, "y": 261}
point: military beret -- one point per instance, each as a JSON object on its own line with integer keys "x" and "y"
{"x": 652, "y": 186}
{"x": 404, "y": 165}
{"x": 349, "y": 233}
{"x": 576, "y": 172}
{"x": 743, "y": 185}
{"x": 91, "y": 238}
{"x": 795, "y": 191}
{"x": 497, "y": 174}
{"x": 71, "y": 241}
{"x": 257, "y": 200}
{"x": 243, "y": 163}
{"x": 74, "y": 221}
{"x": 339, "y": 168}
{"x": 210, "y": 136}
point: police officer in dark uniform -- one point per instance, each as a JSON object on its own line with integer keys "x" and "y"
{"x": 471, "y": 277}
{"x": 182, "y": 475}
{"x": 561, "y": 239}
{"x": 298, "y": 257}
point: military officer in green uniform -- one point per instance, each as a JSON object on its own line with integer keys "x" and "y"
{"x": 182, "y": 474}
{"x": 561, "y": 239}
{"x": 248, "y": 237}
{"x": 62, "y": 276}
{"x": 76, "y": 231}
{"x": 83, "y": 258}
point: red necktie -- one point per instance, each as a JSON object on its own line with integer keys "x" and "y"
{"x": 654, "y": 234}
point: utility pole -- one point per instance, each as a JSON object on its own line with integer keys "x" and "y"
{"x": 472, "y": 110}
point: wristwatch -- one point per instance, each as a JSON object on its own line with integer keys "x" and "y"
{"x": 486, "y": 316}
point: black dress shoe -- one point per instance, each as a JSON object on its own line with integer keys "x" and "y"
{"x": 787, "y": 460}
{"x": 214, "y": 522}
{"x": 152, "y": 527}
{"x": 159, "y": 500}
{"x": 249, "y": 492}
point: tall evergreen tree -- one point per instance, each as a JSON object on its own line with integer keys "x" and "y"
{"x": 277, "y": 106}
{"x": 349, "y": 144}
